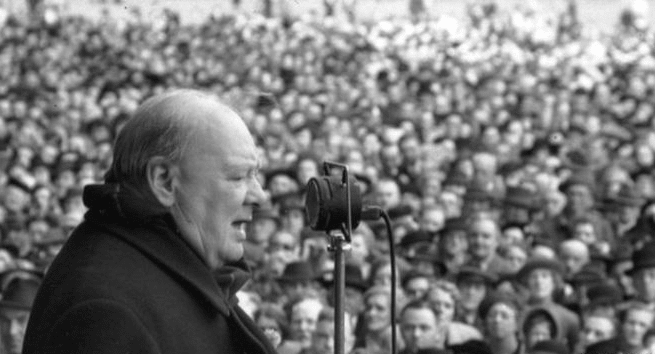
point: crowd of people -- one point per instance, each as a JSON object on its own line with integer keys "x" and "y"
{"x": 513, "y": 153}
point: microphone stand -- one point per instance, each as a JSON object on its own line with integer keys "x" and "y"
{"x": 338, "y": 246}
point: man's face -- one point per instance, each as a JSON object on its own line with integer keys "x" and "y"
{"x": 574, "y": 259}
{"x": 418, "y": 328}
{"x": 585, "y": 232}
{"x": 635, "y": 325}
{"x": 323, "y": 338}
{"x": 376, "y": 313}
{"x": 644, "y": 283}
{"x": 433, "y": 220}
{"x": 13, "y": 324}
{"x": 304, "y": 317}
{"x": 388, "y": 194}
{"x": 218, "y": 186}
{"x": 579, "y": 198}
{"x": 597, "y": 329}
{"x": 482, "y": 239}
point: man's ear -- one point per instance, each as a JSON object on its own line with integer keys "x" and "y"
{"x": 162, "y": 179}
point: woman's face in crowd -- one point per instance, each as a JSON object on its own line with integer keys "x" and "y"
{"x": 376, "y": 313}
{"x": 501, "y": 321}
{"x": 443, "y": 303}
{"x": 541, "y": 284}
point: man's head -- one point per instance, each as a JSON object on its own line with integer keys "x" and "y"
{"x": 483, "y": 238}
{"x": 574, "y": 254}
{"x": 418, "y": 325}
{"x": 18, "y": 292}
{"x": 196, "y": 158}
{"x": 388, "y": 193}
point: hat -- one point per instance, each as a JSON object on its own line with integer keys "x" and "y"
{"x": 299, "y": 271}
{"x": 353, "y": 278}
{"x": 587, "y": 276}
{"x": 578, "y": 160}
{"x": 585, "y": 177}
{"x": 414, "y": 238}
{"x": 604, "y": 294}
{"x": 494, "y": 298}
{"x": 643, "y": 258}
{"x": 539, "y": 263}
{"x": 549, "y": 346}
{"x": 522, "y": 197}
{"x": 454, "y": 224}
{"x": 473, "y": 346}
{"x": 269, "y": 175}
{"x": 19, "y": 288}
{"x": 474, "y": 274}
{"x": 627, "y": 196}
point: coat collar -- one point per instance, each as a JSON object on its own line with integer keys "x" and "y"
{"x": 153, "y": 232}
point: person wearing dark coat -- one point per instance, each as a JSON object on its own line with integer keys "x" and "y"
{"x": 156, "y": 264}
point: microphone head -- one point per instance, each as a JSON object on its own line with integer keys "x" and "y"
{"x": 326, "y": 204}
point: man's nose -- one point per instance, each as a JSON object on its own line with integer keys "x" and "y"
{"x": 256, "y": 194}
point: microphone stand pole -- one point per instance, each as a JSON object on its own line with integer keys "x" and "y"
{"x": 338, "y": 245}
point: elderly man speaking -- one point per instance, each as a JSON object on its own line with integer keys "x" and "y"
{"x": 155, "y": 265}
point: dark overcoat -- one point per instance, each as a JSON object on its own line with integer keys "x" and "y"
{"x": 120, "y": 286}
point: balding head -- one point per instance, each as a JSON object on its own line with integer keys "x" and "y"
{"x": 574, "y": 254}
{"x": 163, "y": 125}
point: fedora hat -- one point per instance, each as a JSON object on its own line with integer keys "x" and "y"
{"x": 522, "y": 197}
{"x": 299, "y": 271}
{"x": 643, "y": 258}
{"x": 539, "y": 263}
{"x": 585, "y": 178}
{"x": 474, "y": 274}
{"x": 353, "y": 278}
{"x": 627, "y": 196}
{"x": 19, "y": 288}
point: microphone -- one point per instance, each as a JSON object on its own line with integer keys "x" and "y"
{"x": 329, "y": 198}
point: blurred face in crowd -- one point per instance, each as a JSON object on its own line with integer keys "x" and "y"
{"x": 388, "y": 194}
{"x": 539, "y": 330}
{"x": 585, "y": 232}
{"x": 482, "y": 239}
{"x": 541, "y": 284}
{"x": 376, "y": 312}
{"x": 304, "y": 317}
{"x": 443, "y": 303}
{"x": 432, "y": 220}
{"x": 416, "y": 287}
{"x": 501, "y": 321}
{"x": 359, "y": 251}
{"x": 579, "y": 199}
{"x": 261, "y": 229}
{"x": 455, "y": 242}
{"x": 452, "y": 204}
{"x": 13, "y": 323}
{"x": 644, "y": 283}
{"x": 285, "y": 245}
{"x": 511, "y": 236}
{"x": 382, "y": 275}
{"x": 419, "y": 328}
{"x": 16, "y": 199}
{"x": 574, "y": 255}
{"x": 307, "y": 169}
{"x": 635, "y": 325}
{"x": 471, "y": 292}
{"x": 517, "y": 256}
{"x": 596, "y": 329}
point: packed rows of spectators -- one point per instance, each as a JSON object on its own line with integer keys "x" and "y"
{"x": 513, "y": 152}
